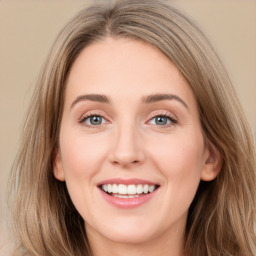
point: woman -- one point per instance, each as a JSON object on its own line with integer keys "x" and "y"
{"x": 135, "y": 142}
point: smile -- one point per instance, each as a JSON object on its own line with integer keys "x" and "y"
{"x": 128, "y": 191}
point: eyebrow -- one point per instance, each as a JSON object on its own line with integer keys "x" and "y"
{"x": 159, "y": 97}
{"x": 147, "y": 99}
{"x": 91, "y": 97}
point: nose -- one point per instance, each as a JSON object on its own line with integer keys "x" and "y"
{"x": 127, "y": 148}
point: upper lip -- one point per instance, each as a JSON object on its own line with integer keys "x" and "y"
{"x": 126, "y": 181}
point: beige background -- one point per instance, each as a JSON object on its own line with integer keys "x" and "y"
{"x": 28, "y": 28}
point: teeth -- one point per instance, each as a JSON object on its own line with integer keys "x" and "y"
{"x": 122, "y": 189}
{"x": 132, "y": 196}
{"x": 151, "y": 188}
{"x": 109, "y": 188}
{"x": 105, "y": 187}
{"x": 139, "y": 189}
{"x": 121, "y": 196}
{"x": 131, "y": 190}
{"x": 125, "y": 196}
{"x": 145, "y": 189}
{"x": 126, "y": 190}
{"x": 114, "y": 188}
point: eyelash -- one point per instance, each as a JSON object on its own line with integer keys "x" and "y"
{"x": 170, "y": 118}
{"x": 90, "y": 115}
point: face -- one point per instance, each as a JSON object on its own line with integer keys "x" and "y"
{"x": 131, "y": 152}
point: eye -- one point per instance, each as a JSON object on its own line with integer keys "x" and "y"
{"x": 93, "y": 120}
{"x": 162, "y": 120}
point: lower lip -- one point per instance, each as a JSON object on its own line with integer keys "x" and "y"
{"x": 128, "y": 202}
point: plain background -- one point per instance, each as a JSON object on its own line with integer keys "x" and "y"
{"x": 28, "y": 29}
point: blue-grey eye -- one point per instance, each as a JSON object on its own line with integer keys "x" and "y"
{"x": 94, "y": 120}
{"x": 161, "y": 120}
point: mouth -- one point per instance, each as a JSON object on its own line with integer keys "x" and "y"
{"x": 128, "y": 191}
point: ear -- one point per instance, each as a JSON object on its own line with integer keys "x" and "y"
{"x": 58, "y": 170}
{"x": 212, "y": 162}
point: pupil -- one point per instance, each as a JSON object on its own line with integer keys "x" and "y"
{"x": 161, "y": 120}
{"x": 96, "y": 120}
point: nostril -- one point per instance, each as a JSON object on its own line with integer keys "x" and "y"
{"x": 126, "y": 162}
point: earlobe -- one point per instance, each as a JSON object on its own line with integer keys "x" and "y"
{"x": 212, "y": 163}
{"x": 58, "y": 167}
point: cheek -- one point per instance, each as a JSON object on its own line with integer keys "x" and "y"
{"x": 180, "y": 160}
{"x": 81, "y": 155}
{"x": 81, "y": 161}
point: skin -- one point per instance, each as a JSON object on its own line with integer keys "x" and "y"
{"x": 129, "y": 143}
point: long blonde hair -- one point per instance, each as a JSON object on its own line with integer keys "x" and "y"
{"x": 222, "y": 216}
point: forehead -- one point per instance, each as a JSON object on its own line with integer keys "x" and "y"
{"x": 123, "y": 68}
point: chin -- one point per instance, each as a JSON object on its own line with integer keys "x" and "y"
{"x": 130, "y": 237}
{"x": 127, "y": 232}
